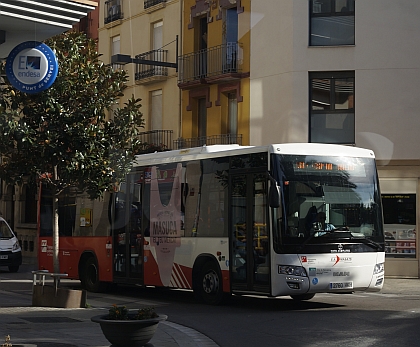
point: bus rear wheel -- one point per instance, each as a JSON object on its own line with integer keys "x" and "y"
{"x": 90, "y": 276}
{"x": 210, "y": 287}
{"x": 302, "y": 297}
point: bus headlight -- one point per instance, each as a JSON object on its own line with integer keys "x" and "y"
{"x": 292, "y": 270}
{"x": 379, "y": 268}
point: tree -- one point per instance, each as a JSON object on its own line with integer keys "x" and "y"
{"x": 62, "y": 135}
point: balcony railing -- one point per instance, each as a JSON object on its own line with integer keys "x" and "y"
{"x": 150, "y": 3}
{"x": 221, "y": 139}
{"x": 113, "y": 11}
{"x": 210, "y": 62}
{"x": 155, "y": 141}
{"x": 148, "y": 71}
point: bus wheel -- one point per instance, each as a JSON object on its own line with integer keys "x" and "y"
{"x": 90, "y": 276}
{"x": 210, "y": 286}
{"x": 302, "y": 297}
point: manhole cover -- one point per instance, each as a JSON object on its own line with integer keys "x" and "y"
{"x": 50, "y": 320}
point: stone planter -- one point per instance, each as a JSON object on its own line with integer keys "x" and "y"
{"x": 128, "y": 333}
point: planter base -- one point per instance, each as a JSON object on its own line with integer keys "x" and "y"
{"x": 128, "y": 333}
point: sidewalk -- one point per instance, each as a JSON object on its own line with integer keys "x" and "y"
{"x": 54, "y": 327}
{"x": 57, "y": 327}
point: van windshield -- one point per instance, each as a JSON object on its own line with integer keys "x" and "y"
{"x": 5, "y": 232}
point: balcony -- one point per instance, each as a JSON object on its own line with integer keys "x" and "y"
{"x": 153, "y": 5}
{"x": 146, "y": 74}
{"x": 221, "y": 139}
{"x": 155, "y": 141}
{"x": 113, "y": 12}
{"x": 210, "y": 66}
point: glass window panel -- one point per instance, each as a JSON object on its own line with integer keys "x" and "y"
{"x": 332, "y": 128}
{"x": 321, "y": 6}
{"x": 344, "y": 93}
{"x": 233, "y": 114}
{"x": 321, "y": 90}
{"x": 156, "y": 110}
{"x": 332, "y": 30}
{"x": 344, "y": 6}
{"x": 400, "y": 225}
{"x": 202, "y": 117}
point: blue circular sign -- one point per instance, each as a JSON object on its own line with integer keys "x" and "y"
{"x": 31, "y": 67}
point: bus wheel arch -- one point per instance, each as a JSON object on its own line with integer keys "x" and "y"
{"x": 207, "y": 280}
{"x": 89, "y": 272}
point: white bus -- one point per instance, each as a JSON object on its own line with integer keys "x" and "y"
{"x": 278, "y": 220}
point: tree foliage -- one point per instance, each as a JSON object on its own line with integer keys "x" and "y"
{"x": 65, "y": 129}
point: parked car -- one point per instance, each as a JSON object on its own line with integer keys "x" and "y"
{"x": 10, "y": 251}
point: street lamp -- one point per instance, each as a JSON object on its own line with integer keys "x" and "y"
{"x": 123, "y": 59}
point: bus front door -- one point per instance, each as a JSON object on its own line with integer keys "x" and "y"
{"x": 250, "y": 259}
{"x": 128, "y": 240}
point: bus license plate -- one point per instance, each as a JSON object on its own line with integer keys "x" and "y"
{"x": 341, "y": 285}
{"x": 4, "y": 256}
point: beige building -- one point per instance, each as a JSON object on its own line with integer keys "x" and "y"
{"x": 146, "y": 30}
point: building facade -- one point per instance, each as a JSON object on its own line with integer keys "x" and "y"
{"x": 214, "y": 72}
{"x": 346, "y": 72}
{"x": 147, "y": 30}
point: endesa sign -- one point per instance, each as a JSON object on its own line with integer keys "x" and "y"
{"x": 31, "y": 67}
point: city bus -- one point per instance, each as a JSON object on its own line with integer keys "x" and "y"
{"x": 228, "y": 219}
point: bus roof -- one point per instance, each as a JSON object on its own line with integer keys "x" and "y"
{"x": 214, "y": 151}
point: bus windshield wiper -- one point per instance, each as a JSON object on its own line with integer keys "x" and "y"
{"x": 337, "y": 232}
{"x": 368, "y": 242}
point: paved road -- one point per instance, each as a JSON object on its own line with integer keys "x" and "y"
{"x": 388, "y": 318}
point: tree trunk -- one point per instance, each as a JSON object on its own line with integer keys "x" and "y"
{"x": 56, "y": 238}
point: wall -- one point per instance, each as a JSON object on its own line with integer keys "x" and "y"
{"x": 385, "y": 60}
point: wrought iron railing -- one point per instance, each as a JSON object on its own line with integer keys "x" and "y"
{"x": 155, "y": 140}
{"x": 146, "y": 71}
{"x": 210, "y": 62}
{"x": 113, "y": 11}
{"x": 150, "y": 3}
{"x": 221, "y": 139}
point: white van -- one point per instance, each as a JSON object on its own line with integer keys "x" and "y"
{"x": 10, "y": 251}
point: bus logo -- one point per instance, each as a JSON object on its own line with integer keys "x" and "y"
{"x": 304, "y": 259}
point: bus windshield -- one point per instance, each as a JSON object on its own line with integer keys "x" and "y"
{"x": 326, "y": 200}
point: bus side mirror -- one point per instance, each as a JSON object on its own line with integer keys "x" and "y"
{"x": 274, "y": 195}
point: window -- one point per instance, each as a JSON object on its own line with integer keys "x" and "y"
{"x": 113, "y": 11}
{"x": 150, "y": 3}
{"x": 332, "y": 107}
{"x": 232, "y": 114}
{"x": 157, "y": 44}
{"x": 400, "y": 225}
{"x": 332, "y": 22}
{"x": 31, "y": 206}
{"x": 202, "y": 120}
{"x": 156, "y": 110}
{"x": 115, "y": 48}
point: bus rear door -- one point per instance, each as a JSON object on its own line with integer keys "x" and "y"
{"x": 128, "y": 239}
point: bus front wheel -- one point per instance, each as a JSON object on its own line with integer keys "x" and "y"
{"x": 210, "y": 287}
{"x": 90, "y": 276}
{"x": 302, "y": 297}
